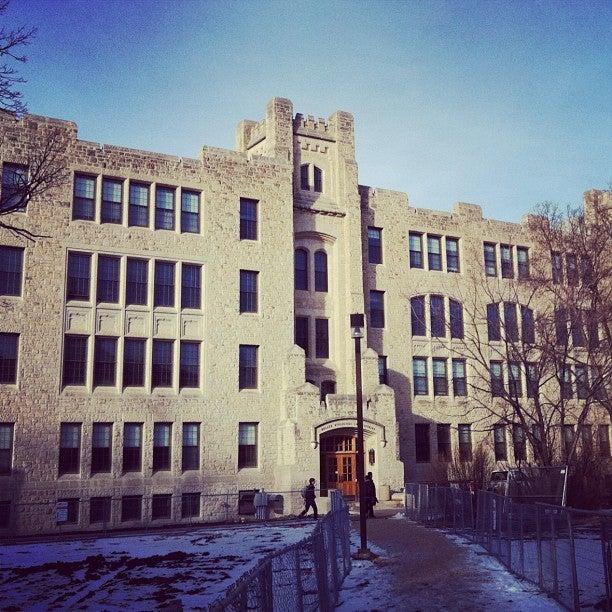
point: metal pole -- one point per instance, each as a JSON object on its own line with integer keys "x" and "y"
{"x": 360, "y": 457}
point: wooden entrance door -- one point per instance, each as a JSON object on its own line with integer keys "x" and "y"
{"x": 339, "y": 464}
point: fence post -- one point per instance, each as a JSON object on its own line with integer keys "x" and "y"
{"x": 553, "y": 550}
{"x": 576, "y": 592}
{"x": 509, "y": 534}
{"x": 522, "y": 540}
{"x": 539, "y": 539}
{"x": 320, "y": 563}
{"x": 332, "y": 553}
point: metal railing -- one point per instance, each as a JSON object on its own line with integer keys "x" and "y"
{"x": 305, "y": 576}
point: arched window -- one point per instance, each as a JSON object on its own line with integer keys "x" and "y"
{"x": 318, "y": 179}
{"x": 437, "y": 324}
{"x": 320, "y": 265}
{"x": 527, "y": 325}
{"x": 456, "y": 319}
{"x": 417, "y": 312}
{"x": 304, "y": 181}
{"x": 301, "y": 269}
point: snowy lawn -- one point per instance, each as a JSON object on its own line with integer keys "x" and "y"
{"x": 137, "y": 572}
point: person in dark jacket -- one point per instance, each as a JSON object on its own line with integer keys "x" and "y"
{"x": 370, "y": 494}
{"x": 308, "y": 493}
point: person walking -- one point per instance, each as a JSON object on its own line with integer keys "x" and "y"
{"x": 308, "y": 493}
{"x": 370, "y": 494}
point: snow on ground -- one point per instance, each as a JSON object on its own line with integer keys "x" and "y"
{"x": 137, "y": 572}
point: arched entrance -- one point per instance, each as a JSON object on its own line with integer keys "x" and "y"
{"x": 339, "y": 462}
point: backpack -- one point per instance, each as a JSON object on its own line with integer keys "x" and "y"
{"x": 304, "y": 492}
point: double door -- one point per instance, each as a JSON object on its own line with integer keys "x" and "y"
{"x": 339, "y": 465}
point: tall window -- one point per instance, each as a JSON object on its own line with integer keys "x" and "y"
{"x": 490, "y": 259}
{"x": 571, "y": 267}
{"x": 131, "y": 508}
{"x": 137, "y": 281}
{"x": 437, "y": 324}
{"x": 247, "y": 445}
{"x": 70, "y": 448}
{"x": 191, "y": 283}
{"x": 162, "y": 363}
{"x": 603, "y": 436}
{"x": 247, "y": 378}
{"x": 499, "y": 442}
{"x": 189, "y": 365}
{"x": 557, "y": 267}
{"x": 532, "y": 379}
{"x": 561, "y": 326}
{"x": 452, "y": 255}
{"x": 444, "y": 442}
{"x": 417, "y": 316}
{"x": 510, "y": 322}
{"x": 132, "y": 447}
{"x": 456, "y": 319}
{"x": 101, "y": 447}
{"x": 515, "y": 389}
{"x": 577, "y": 328}
{"x": 304, "y": 178}
{"x": 522, "y": 258}
{"x": 112, "y": 201}
{"x": 434, "y": 253}
{"x": 301, "y": 269}
{"x": 318, "y": 179}
{"x": 75, "y": 360}
{"x": 322, "y": 338}
{"x": 320, "y": 267}
{"x": 374, "y": 245}
{"x": 164, "y": 208}
{"x": 108, "y": 279}
{"x": 105, "y": 361}
{"x": 14, "y": 180}
{"x": 190, "y": 211}
{"x": 465, "y": 442}
{"x": 163, "y": 294}
{"x": 79, "y": 276}
{"x": 415, "y": 244}
{"x": 493, "y": 323}
{"x": 6, "y": 447}
{"x": 565, "y": 382}
{"x": 191, "y": 447}
{"x": 11, "y": 270}
{"x": 383, "y": 374}
{"x": 527, "y": 325}
{"x": 9, "y": 348}
{"x": 507, "y": 265}
{"x": 248, "y": 290}
{"x": 134, "y": 362}
{"x": 421, "y": 443}
{"x": 84, "y": 198}
{"x": 519, "y": 443}
{"x": 440, "y": 376}
{"x": 162, "y": 435}
{"x": 419, "y": 375}
{"x": 377, "y": 308}
{"x": 568, "y": 437}
{"x": 582, "y": 382}
{"x": 301, "y": 333}
{"x": 248, "y": 219}
{"x": 459, "y": 378}
{"x": 497, "y": 378}
{"x": 138, "y": 210}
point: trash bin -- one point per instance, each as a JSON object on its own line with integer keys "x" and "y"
{"x": 384, "y": 492}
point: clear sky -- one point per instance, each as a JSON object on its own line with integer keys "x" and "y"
{"x": 498, "y": 103}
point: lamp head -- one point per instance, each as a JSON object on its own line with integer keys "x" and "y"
{"x": 357, "y": 325}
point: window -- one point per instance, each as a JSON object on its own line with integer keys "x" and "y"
{"x": 14, "y": 188}
{"x": 189, "y": 365}
{"x": 456, "y": 319}
{"x": 465, "y": 442}
{"x": 190, "y": 505}
{"x": 304, "y": 179}
{"x": 112, "y": 201}
{"x": 6, "y": 447}
{"x": 510, "y": 322}
{"x": 100, "y": 509}
{"x": 415, "y": 245}
{"x": 321, "y": 338}
{"x": 248, "y": 290}
{"x": 490, "y": 259}
{"x": 592, "y": 330}
{"x": 565, "y": 382}
{"x": 301, "y": 269}
{"x": 75, "y": 360}
{"x": 247, "y": 378}
{"x": 162, "y": 435}
{"x": 522, "y": 258}
{"x": 108, "y": 279}
{"x": 72, "y": 507}
{"x": 586, "y": 437}
{"x": 493, "y": 323}
{"x": 437, "y": 324}
{"x": 138, "y": 210}
{"x": 162, "y": 363}
{"x": 434, "y": 253}
{"x": 191, "y": 447}
{"x": 419, "y": 375}
{"x": 101, "y": 448}
{"x": 248, "y": 219}
{"x": 161, "y": 506}
{"x": 11, "y": 270}
{"x": 515, "y": 388}
{"x": 417, "y": 316}
{"x": 84, "y": 203}
{"x": 134, "y": 362}
{"x": 582, "y": 382}
{"x": 557, "y": 267}
{"x": 105, "y": 361}
{"x": 79, "y": 275}
{"x": 499, "y": 443}
{"x": 137, "y": 281}
{"x": 131, "y": 508}
{"x": 561, "y": 326}
{"x": 577, "y": 328}
{"x": 318, "y": 179}
{"x": 70, "y": 448}
{"x": 191, "y": 282}
{"x": 327, "y": 387}
{"x": 452, "y": 255}
{"x": 301, "y": 333}
{"x": 374, "y": 245}
{"x": 377, "y": 308}
{"x": 9, "y": 349}
{"x": 532, "y": 380}
{"x": 247, "y": 445}
{"x": 603, "y": 436}
{"x": 190, "y": 212}
{"x": 132, "y": 447}
{"x": 320, "y": 267}
{"x": 383, "y": 375}
{"x": 164, "y": 283}
{"x": 421, "y": 443}
{"x": 507, "y": 265}
{"x": 497, "y": 379}
{"x": 571, "y": 268}
{"x": 440, "y": 378}
{"x": 568, "y": 437}
{"x": 444, "y": 442}
{"x": 164, "y": 208}
{"x": 459, "y": 378}
{"x": 527, "y": 325}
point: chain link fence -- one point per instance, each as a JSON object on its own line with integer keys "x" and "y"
{"x": 304, "y": 576}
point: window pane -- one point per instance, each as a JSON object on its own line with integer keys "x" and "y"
{"x": 9, "y": 346}
{"x": 456, "y": 319}
{"x": 248, "y": 219}
{"x": 438, "y": 327}
{"x": 70, "y": 448}
{"x": 377, "y": 309}
{"x": 164, "y": 208}
{"x": 318, "y": 179}
{"x": 301, "y": 333}
{"x": 417, "y": 312}
{"x": 465, "y": 442}
{"x": 191, "y": 446}
{"x": 162, "y": 363}
{"x": 134, "y": 362}
{"x": 507, "y": 265}
{"x": 75, "y": 360}
{"x": 138, "y": 214}
{"x": 14, "y": 196}
{"x": 108, "y": 279}
{"x": 320, "y": 263}
{"x": 11, "y": 270}
{"x": 510, "y": 322}
{"x": 105, "y": 361}
{"x": 83, "y": 206}
{"x": 301, "y": 269}
{"x": 112, "y": 201}
{"x": 490, "y": 259}
{"x": 248, "y": 290}
{"x": 137, "y": 281}
{"x": 304, "y": 182}
{"x": 164, "y": 283}
{"x": 132, "y": 447}
{"x": 191, "y": 282}
{"x": 452, "y": 255}
{"x": 322, "y": 338}
{"x": 79, "y": 275}
{"x": 6, "y": 447}
{"x": 101, "y": 448}
{"x": 434, "y": 253}
{"x": 382, "y": 370}
{"x": 421, "y": 443}
{"x": 493, "y": 322}
{"x": 415, "y": 242}
{"x": 419, "y": 375}
{"x": 247, "y": 445}
{"x": 190, "y": 211}
{"x": 190, "y": 364}
{"x": 247, "y": 367}
{"x": 375, "y": 245}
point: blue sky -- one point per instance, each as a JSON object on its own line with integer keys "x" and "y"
{"x": 503, "y": 104}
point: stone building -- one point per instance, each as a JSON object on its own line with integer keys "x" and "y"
{"x": 181, "y": 326}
